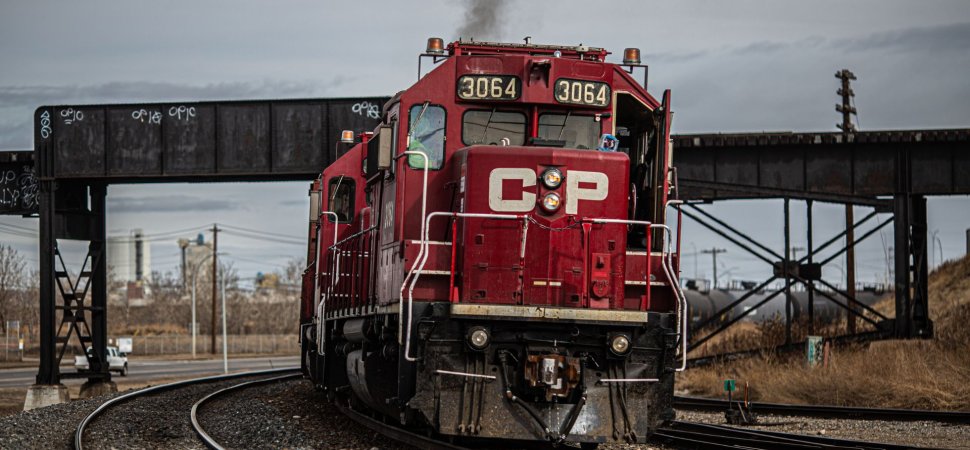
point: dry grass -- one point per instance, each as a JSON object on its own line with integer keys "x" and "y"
{"x": 924, "y": 374}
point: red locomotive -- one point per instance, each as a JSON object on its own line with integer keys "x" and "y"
{"x": 484, "y": 265}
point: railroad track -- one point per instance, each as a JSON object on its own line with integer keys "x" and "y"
{"x": 194, "y": 415}
{"x": 706, "y": 436}
{"x": 824, "y": 411}
{"x": 397, "y": 434}
{"x": 147, "y": 417}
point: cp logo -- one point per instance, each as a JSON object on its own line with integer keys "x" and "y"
{"x": 595, "y": 187}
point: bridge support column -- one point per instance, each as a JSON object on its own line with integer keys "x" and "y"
{"x": 912, "y": 270}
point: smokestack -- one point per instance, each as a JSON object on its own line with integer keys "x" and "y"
{"x": 482, "y": 20}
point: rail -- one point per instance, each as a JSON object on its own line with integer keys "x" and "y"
{"x": 79, "y": 431}
{"x": 193, "y": 414}
{"x": 827, "y": 411}
{"x": 708, "y": 436}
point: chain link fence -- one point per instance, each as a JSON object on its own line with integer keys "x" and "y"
{"x": 237, "y": 344}
{"x": 168, "y": 344}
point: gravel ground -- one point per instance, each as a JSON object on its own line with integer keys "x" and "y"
{"x": 46, "y": 428}
{"x": 159, "y": 420}
{"x": 288, "y": 414}
{"x": 292, "y": 415}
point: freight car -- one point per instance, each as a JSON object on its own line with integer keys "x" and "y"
{"x": 704, "y": 302}
{"x": 492, "y": 261}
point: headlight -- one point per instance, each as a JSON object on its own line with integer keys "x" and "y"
{"x": 551, "y": 202}
{"x": 620, "y": 344}
{"x": 552, "y": 178}
{"x": 478, "y": 338}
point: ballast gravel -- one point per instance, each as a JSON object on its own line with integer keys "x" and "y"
{"x": 286, "y": 414}
{"x": 927, "y": 434}
{"x": 292, "y": 415}
{"x": 916, "y": 433}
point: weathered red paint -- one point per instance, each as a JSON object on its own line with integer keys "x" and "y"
{"x": 568, "y": 261}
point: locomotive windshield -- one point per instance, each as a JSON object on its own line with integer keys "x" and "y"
{"x": 577, "y": 131}
{"x": 427, "y": 135}
{"x": 491, "y": 126}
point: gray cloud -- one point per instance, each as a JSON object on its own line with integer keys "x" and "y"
{"x": 15, "y": 135}
{"x": 934, "y": 39}
{"x": 169, "y": 203}
{"x": 146, "y": 91}
{"x": 922, "y": 39}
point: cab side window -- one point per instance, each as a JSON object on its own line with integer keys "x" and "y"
{"x": 341, "y": 190}
{"x": 427, "y": 128}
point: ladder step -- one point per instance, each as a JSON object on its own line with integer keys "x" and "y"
{"x": 60, "y": 274}
{"x": 86, "y": 273}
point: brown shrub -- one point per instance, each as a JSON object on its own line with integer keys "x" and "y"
{"x": 918, "y": 374}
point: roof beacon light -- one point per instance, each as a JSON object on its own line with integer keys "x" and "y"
{"x": 436, "y": 46}
{"x": 347, "y": 136}
{"x": 631, "y": 56}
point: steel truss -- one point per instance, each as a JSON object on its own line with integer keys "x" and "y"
{"x": 911, "y": 319}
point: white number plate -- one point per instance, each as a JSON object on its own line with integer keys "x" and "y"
{"x": 581, "y": 92}
{"x": 489, "y": 87}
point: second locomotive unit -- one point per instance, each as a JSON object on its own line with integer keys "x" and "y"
{"x": 492, "y": 261}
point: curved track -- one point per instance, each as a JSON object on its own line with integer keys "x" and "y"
{"x": 398, "y": 434}
{"x": 116, "y": 401}
{"x": 706, "y": 436}
{"x": 206, "y": 437}
{"x": 831, "y": 412}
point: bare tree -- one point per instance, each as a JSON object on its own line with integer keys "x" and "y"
{"x": 12, "y": 268}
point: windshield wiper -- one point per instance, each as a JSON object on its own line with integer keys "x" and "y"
{"x": 563, "y": 128}
{"x": 487, "y": 122}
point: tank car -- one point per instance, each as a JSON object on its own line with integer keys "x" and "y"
{"x": 484, "y": 265}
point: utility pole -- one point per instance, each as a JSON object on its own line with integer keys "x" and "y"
{"x": 847, "y": 110}
{"x": 713, "y": 252}
{"x": 215, "y": 290}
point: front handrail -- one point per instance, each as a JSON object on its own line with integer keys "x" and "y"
{"x": 424, "y": 205}
{"x": 411, "y": 279}
{"x": 668, "y": 267}
{"x": 317, "y": 294}
{"x": 677, "y": 287}
{"x": 422, "y": 258}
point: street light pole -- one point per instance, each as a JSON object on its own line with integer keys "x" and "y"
{"x": 713, "y": 252}
{"x": 225, "y": 348}
{"x": 194, "y": 324}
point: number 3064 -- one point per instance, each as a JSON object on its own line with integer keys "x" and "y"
{"x": 582, "y": 92}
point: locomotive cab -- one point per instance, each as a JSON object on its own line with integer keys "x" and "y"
{"x": 485, "y": 269}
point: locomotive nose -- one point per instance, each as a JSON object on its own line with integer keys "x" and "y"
{"x": 554, "y": 254}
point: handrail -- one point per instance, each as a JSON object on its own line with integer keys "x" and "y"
{"x": 317, "y": 295}
{"x": 422, "y": 258}
{"x": 676, "y": 282}
{"x": 423, "y": 254}
{"x": 424, "y": 205}
{"x": 667, "y": 265}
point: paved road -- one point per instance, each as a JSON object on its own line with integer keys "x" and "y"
{"x": 146, "y": 370}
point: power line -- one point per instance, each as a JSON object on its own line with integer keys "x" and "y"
{"x": 287, "y": 236}
{"x": 263, "y": 238}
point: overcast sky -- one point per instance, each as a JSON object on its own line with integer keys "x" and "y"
{"x": 733, "y": 66}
